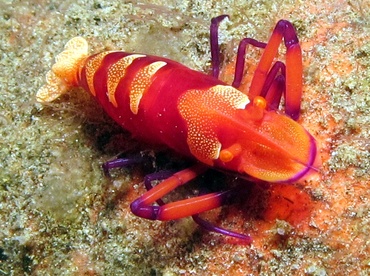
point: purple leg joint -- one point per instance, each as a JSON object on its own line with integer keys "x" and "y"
{"x": 287, "y": 30}
{"x": 138, "y": 208}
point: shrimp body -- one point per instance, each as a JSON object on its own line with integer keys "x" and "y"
{"x": 164, "y": 102}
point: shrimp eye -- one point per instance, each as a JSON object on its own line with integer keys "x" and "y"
{"x": 228, "y": 154}
{"x": 259, "y": 102}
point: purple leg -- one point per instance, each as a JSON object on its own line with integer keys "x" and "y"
{"x": 274, "y": 85}
{"x": 122, "y": 162}
{"x": 273, "y": 96}
{"x": 272, "y": 74}
{"x": 215, "y": 51}
{"x": 225, "y": 198}
{"x": 240, "y": 58}
{"x": 213, "y": 228}
{"x": 203, "y": 223}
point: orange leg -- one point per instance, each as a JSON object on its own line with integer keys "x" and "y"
{"x": 143, "y": 207}
{"x": 188, "y": 207}
{"x": 283, "y": 29}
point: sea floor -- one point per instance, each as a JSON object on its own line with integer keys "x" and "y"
{"x": 60, "y": 215}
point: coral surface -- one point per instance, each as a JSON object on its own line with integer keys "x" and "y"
{"x": 61, "y": 216}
